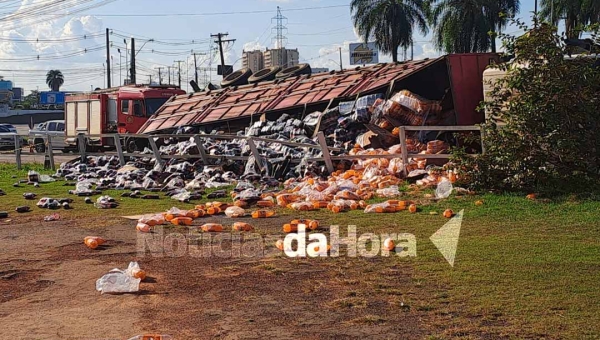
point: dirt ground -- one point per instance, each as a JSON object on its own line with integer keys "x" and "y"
{"x": 47, "y": 289}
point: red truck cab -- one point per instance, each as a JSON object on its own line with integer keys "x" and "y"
{"x": 124, "y": 110}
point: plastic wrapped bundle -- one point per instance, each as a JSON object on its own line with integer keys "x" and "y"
{"x": 436, "y": 146}
{"x": 416, "y": 103}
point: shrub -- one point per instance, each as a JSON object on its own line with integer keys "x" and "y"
{"x": 550, "y": 104}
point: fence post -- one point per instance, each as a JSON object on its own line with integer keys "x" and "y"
{"x": 155, "y": 150}
{"x": 18, "y": 151}
{"x": 325, "y": 150}
{"x": 200, "y": 147}
{"x": 257, "y": 158}
{"x": 81, "y": 142}
{"x": 119, "y": 148}
{"x": 482, "y": 131}
{"x": 50, "y": 152}
{"x": 404, "y": 149}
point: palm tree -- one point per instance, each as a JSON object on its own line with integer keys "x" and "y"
{"x": 498, "y": 13}
{"x": 390, "y": 22}
{"x": 54, "y": 79}
{"x": 464, "y": 26}
{"x": 574, "y": 12}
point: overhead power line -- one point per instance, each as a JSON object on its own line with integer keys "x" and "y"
{"x": 215, "y": 13}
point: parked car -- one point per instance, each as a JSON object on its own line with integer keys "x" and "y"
{"x": 7, "y": 140}
{"x": 55, "y": 130}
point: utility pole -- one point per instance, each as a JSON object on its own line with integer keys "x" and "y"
{"x": 159, "y": 75}
{"x": 179, "y": 70}
{"x": 126, "y": 61}
{"x": 150, "y": 79}
{"x": 196, "y": 65}
{"x": 220, "y": 41}
{"x": 341, "y": 68}
{"x": 169, "y": 71}
{"x": 133, "y": 80}
{"x": 107, "y": 59}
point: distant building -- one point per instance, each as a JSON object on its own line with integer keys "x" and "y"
{"x": 17, "y": 94}
{"x": 281, "y": 57}
{"x": 253, "y": 60}
{"x": 319, "y": 70}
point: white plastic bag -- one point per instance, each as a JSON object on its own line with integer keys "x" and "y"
{"x": 444, "y": 189}
{"x": 46, "y": 179}
{"x": 183, "y": 196}
{"x": 117, "y": 281}
{"x": 235, "y": 212}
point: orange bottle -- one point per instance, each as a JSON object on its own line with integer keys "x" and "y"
{"x": 263, "y": 214}
{"x": 169, "y": 216}
{"x": 290, "y": 228}
{"x": 182, "y": 221}
{"x": 195, "y": 213}
{"x": 448, "y": 213}
{"x": 265, "y": 203}
{"x": 200, "y": 207}
{"x": 412, "y": 208}
{"x": 143, "y": 227}
{"x": 139, "y": 274}
{"x": 242, "y": 226}
{"x": 310, "y": 224}
{"x": 212, "y": 227}
{"x": 336, "y": 209}
{"x": 319, "y": 204}
{"x": 213, "y": 210}
{"x": 241, "y": 204}
{"x": 93, "y": 241}
{"x": 279, "y": 244}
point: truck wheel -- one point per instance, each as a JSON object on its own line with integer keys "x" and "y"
{"x": 293, "y": 71}
{"x": 40, "y": 146}
{"x": 266, "y": 74}
{"x": 130, "y": 145}
{"x": 239, "y": 77}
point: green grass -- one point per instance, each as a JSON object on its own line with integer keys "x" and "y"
{"x": 524, "y": 269}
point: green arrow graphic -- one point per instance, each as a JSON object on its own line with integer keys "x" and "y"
{"x": 446, "y": 238}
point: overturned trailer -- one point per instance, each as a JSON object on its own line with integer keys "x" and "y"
{"x": 455, "y": 80}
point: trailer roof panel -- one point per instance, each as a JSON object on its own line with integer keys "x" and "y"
{"x": 244, "y": 101}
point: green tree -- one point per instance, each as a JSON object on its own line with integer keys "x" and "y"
{"x": 54, "y": 79}
{"x": 549, "y": 141}
{"x": 391, "y": 23}
{"x": 575, "y": 13}
{"x": 469, "y": 26}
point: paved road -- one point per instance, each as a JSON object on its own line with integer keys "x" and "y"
{"x": 26, "y": 157}
{"x": 8, "y": 156}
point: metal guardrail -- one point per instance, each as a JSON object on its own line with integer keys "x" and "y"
{"x": 327, "y": 157}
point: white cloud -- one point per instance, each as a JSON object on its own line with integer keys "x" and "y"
{"x": 253, "y": 46}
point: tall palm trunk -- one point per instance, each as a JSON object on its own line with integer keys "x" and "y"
{"x": 395, "y": 55}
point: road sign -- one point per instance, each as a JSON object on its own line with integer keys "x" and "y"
{"x": 56, "y": 98}
{"x": 364, "y": 53}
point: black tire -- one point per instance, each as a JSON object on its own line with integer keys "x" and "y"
{"x": 266, "y": 74}
{"x": 237, "y": 78}
{"x": 39, "y": 146}
{"x": 130, "y": 145}
{"x": 293, "y": 71}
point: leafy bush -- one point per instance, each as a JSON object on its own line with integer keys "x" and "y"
{"x": 550, "y": 104}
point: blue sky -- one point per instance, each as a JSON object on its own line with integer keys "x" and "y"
{"x": 317, "y": 33}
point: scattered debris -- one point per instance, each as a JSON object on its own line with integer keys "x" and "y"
{"x": 121, "y": 281}
{"x": 93, "y": 242}
{"x": 53, "y": 217}
{"x": 23, "y": 209}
